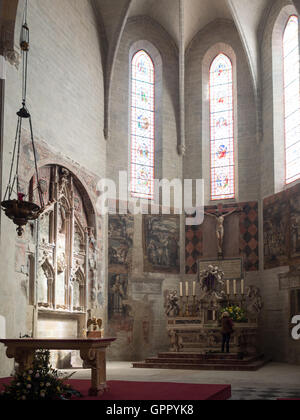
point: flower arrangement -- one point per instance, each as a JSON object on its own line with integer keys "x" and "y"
{"x": 237, "y": 314}
{"x": 41, "y": 382}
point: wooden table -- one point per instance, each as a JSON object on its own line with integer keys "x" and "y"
{"x": 92, "y": 351}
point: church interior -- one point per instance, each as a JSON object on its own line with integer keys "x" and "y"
{"x": 150, "y": 188}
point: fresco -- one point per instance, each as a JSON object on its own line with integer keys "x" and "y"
{"x": 117, "y": 295}
{"x": 120, "y": 242}
{"x": 282, "y": 228}
{"x": 161, "y": 244}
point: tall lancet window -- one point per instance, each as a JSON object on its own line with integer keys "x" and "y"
{"x": 292, "y": 99}
{"x": 222, "y": 129}
{"x": 142, "y": 126}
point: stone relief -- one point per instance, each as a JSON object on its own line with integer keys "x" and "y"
{"x": 65, "y": 245}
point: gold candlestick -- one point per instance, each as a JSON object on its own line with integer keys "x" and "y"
{"x": 194, "y": 306}
{"x": 181, "y": 307}
{"x": 187, "y": 313}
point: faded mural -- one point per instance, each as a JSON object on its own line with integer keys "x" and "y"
{"x": 161, "y": 244}
{"x": 282, "y": 228}
{"x": 120, "y": 242}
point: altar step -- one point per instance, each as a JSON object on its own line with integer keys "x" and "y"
{"x": 193, "y": 361}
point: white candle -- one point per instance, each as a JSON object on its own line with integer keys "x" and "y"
{"x": 194, "y": 288}
{"x": 234, "y": 287}
{"x": 181, "y": 290}
{"x": 243, "y": 287}
{"x": 228, "y": 287}
{"x": 187, "y": 288}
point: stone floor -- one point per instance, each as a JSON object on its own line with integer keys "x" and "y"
{"x": 273, "y": 381}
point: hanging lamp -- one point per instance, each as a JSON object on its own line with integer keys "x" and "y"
{"x": 15, "y": 205}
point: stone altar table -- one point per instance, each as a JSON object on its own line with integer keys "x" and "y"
{"x": 92, "y": 351}
{"x": 193, "y": 336}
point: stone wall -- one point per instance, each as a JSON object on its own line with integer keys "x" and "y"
{"x": 65, "y": 98}
{"x": 141, "y": 331}
{"x": 275, "y": 318}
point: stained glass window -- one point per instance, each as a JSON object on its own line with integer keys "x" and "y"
{"x": 142, "y": 126}
{"x": 222, "y": 129}
{"x": 292, "y": 99}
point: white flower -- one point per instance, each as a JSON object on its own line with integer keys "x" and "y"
{"x": 37, "y": 375}
{"x": 29, "y": 386}
{"x": 48, "y": 384}
{"x": 30, "y": 372}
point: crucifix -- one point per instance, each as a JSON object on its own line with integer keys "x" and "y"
{"x": 220, "y": 216}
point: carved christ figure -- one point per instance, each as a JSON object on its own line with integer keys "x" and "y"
{"x": 220, "y": 218}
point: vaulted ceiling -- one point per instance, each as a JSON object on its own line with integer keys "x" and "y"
{"x": 246, "y": 15}
{"x": 198, "y": 13}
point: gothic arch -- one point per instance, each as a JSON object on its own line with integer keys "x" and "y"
{"x": 80, "y": 183}
{"x": 272, "y": 74}
{"x": 50, "y": 276}
{"x": 155, "y": 56}
{"x": 208, "y": 59}
{"x": 62, "y": 256}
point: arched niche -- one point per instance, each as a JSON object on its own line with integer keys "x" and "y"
{"x": 65, "y": 228}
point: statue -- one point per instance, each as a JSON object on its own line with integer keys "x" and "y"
{"x": 172, "y": 304}
{"x": 220, "y": 218}
{"x": 254, "y": 301}
{"x": 93, "y": 326}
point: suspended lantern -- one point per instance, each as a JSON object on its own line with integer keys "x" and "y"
{"x": 15, "y": 205}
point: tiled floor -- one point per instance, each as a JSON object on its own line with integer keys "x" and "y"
{"x": 273, "y": 381}
{"x": 244, "y": 394}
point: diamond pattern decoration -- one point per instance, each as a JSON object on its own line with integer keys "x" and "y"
{"x": 248, "y": 239}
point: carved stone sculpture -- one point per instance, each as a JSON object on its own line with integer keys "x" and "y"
{"x": 172, "y": 304}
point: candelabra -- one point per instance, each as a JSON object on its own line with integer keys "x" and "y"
{"x": 181, "y": 307}
{"x": 187, "y": 312}
{"x": 194, "y": 310}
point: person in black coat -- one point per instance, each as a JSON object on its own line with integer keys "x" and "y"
{"x": 227, "y": 330}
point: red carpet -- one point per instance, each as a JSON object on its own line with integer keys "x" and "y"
{"x": 152, "y": 391}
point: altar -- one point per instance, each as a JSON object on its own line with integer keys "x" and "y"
{"x": 92, "y": 351}
{"x": 194, "y": 315}
{"x": 191, "y": 335}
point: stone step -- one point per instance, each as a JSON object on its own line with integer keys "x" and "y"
{"x": 254, "y": 366}
{"x": 231, "y": 356}
{"x": 203, "y": 360}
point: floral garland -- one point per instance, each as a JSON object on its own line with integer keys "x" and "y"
{"x": 41, "y": 382}
{"x": 237, "y": 314}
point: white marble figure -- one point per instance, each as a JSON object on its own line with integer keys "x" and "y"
{"x": 220, "y": 218}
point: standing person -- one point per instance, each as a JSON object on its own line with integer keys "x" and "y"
{"x": 227, "y": 330}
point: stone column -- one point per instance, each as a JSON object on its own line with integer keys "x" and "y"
{"x": 181, "y": 146}
{"x": 2, "y": 96}
{"x": 297, "y": 5}
{"x": 86, "y": 293}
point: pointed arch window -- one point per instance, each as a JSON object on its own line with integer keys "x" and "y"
{"x": 142, "y": 126}
{"x": 222, "y": 129}
{"x": 291, "y": 99}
